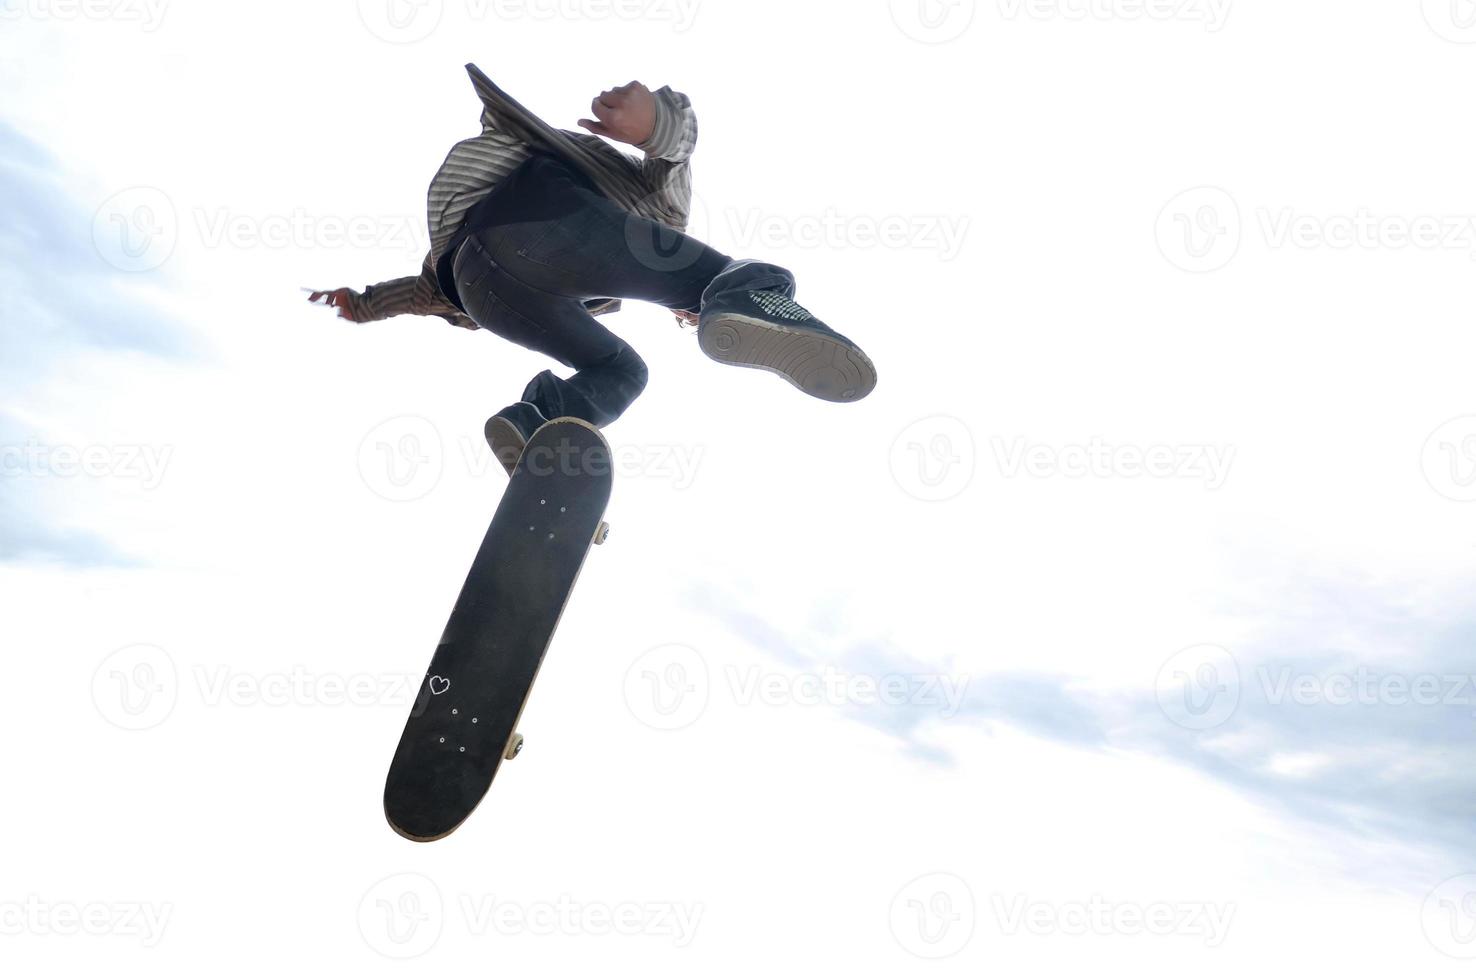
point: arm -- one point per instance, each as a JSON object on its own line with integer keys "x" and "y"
{"x": 409, "y": 294}
{"x": 381, "y": 300}
{"x": 662, "y": 125}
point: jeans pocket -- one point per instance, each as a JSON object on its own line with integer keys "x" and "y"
{"x": 499, "y": 318}
{"x": 561, "y": 243}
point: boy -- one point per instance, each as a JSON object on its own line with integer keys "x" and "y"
{"x": 536, "y": 231}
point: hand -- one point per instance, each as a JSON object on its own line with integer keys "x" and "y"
{"x": 626, "y": 114}
{"x": 337, "y": 298}
{"x": 685, "y": 318}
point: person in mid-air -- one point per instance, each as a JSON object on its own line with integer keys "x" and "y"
{"x": 535, "y": 231}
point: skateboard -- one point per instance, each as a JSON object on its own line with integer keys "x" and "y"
{"x": 463, "y": 725}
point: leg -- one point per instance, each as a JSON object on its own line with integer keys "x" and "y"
{"x": 551, "y": 229}
{"x": 609, "y": 374}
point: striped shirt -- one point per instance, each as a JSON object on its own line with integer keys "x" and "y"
{"x": 658, "y": 187}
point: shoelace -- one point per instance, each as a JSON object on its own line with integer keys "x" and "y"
{"x": 779, "y": 305}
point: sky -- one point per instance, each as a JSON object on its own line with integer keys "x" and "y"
{"x": 1124, "y": 628}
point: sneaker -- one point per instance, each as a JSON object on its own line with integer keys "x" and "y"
{"x": 768, "y": 330}
{"x": 509, "y": 430}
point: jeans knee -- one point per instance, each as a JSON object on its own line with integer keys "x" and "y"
{"x": 634, "y": 368}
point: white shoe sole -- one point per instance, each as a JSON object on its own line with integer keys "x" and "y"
{"x": 817, "y": 362}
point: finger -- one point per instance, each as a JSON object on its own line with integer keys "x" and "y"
{"x": 610, "y": 115}
{"x": 598, "y": 128}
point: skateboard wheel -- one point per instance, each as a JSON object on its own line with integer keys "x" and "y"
{"x": 601, "y": 533}
{"x": 514, "y": 746}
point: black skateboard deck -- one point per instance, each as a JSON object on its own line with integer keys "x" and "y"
{"x": 464, "y": 722}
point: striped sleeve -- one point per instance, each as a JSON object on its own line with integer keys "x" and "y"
{"x": 419, "y": 295}
{"x": 667, "y": 168}
{"x": 675, "y": 135}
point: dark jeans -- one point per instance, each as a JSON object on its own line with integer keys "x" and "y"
{"x": 544, "y": 241}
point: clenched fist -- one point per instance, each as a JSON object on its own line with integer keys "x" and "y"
{"x": 626, "y": 114}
